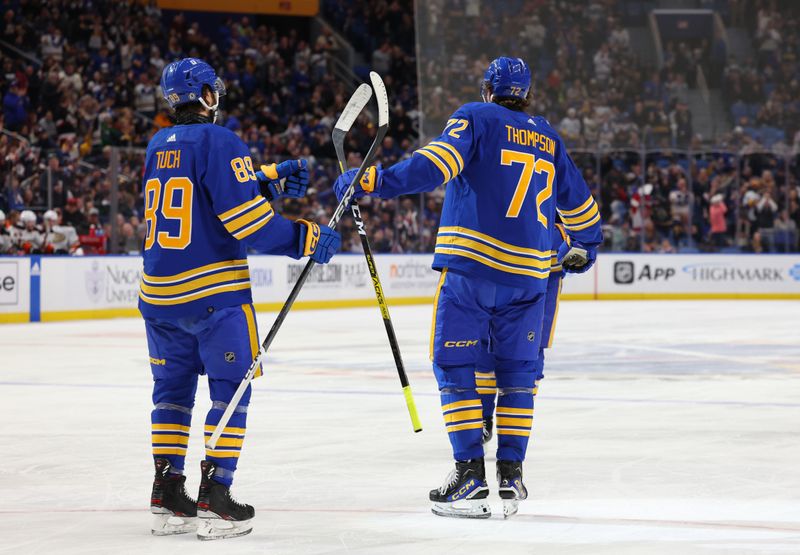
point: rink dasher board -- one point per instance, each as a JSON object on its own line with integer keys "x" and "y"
{"x": 66, "y": 288}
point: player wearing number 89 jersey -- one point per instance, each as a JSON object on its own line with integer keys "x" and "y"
{"x": 506, "y": 175}
{"x": 203, "y": 209}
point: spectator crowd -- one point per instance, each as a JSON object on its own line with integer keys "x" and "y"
{"x": 78, "y": 81}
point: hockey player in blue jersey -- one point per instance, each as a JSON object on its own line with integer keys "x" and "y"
{"x": 485, "y": 380}
{"x": 506, "y": 175}
{"x": 204, "y": 209}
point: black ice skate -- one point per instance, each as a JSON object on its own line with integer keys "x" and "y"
{"x": 175, "y": 512}
{"x": 488, "y": 424}
{"x": 512, "y": 490}
{"x": 220, "y": 516}
{"x": 464, "y": 492}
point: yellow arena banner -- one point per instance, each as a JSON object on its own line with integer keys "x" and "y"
{"x": 272, "y": 7}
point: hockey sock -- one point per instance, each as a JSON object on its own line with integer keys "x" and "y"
{"x": 487, "y": 390}
{"x": 226, "y": 453}
{"x": 514, "y": 414}
{"x": 462, "y": 410}
{"x": 171, "y": 418}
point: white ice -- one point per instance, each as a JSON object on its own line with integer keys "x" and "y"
{"x": 661, "y": 427}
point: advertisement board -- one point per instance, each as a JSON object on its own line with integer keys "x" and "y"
{"x": 59, "y": 288}
{"x": 625, "y": 276}
{"x": 14, "y": 289}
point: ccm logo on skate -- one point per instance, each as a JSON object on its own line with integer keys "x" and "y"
{"x": 464, "y": 489}
{"x": 468, "y": 343}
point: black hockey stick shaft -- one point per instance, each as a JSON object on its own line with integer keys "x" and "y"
{"x": 338, "y": 144}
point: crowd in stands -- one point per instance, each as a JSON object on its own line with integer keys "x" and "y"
{"x": 90, "y": 82}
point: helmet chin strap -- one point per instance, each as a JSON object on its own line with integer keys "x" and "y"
{"x": 213, "y": 109}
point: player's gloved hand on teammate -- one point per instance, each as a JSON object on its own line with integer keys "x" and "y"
{"x": 576, "y": 258}
{"x": 369, "y": 183}
{"x": 319, "y": 242}
{"x": 287, "y": 179}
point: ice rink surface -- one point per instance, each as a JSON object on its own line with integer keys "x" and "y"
{"x": 661, "y": 427}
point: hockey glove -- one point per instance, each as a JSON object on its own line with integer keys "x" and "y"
{"x": 576, "y": 258}
{"x": 287, "y": 179}
{"x": 370, "y": 182}
{"x": 318, "y": 241}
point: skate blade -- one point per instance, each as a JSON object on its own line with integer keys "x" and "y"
{"x": 478, "y": 508}
{"x": 220, "y": 529}
{"x": 510, "y": 507}
{"x": 168, "y": 524}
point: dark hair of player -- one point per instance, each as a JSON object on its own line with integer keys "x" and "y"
{"x": 511, "y": 102}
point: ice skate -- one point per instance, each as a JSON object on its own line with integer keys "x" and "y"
{"x": 512, "y": 490}
{"x": 174, "y": 512}
{"x": 488, "y": 424}
{"x": 463, "y": 493}
{"x": 219, "y": 515}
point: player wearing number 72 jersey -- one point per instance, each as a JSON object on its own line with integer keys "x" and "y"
{"x": 506, "y": 175}
{"x": 204, "y": 208}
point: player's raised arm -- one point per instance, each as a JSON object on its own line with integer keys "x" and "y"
{"x": 435, "y": 164}
{"x": 236, "y": 194}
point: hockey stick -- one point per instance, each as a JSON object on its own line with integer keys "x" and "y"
{"x": 354, "y": 106}
{"x": 338, "y": 136}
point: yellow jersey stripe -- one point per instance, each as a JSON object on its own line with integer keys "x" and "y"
{"x": 563, "y": 233}
{"x": 252, "y": 332}
{"x": 167, "y": 438}
{"x": 245, "y": 206}
{"x": 448, "y": 158}
{"x": 195, "y": 272}
{"x": 221, "y": 277}
{"x": 509, "y": 421}
{"x": 198, "y": 295}
{"x": 583, "y": 217}
{"x": 169, "y": 451}
{"x": 456, "y": 154}
{"x": 255, "y": 226}
{"x": 485, "y": 383}
{"x": 497, "y": 243}
{"x": 253, "y": 214}
{"x": 590, "y": 223}
{"x": 435, "y": 310}
{"x": 454, "y": 240}
{"x": 503, "y": 411}
{"x": 465, "y": 426}
{"x": 513, "y": 432}
{"x": 437, "y": 162}
{"x": 486, "y": 390}
{"x": 228, "y": 430}
{"x": 484, "y": 374}
{"x": 578, "y": 210}
{"x": 230, "y": 442}
{"x": 170, "y": 427}
{"x": 469, "y": 403}
{"x": 492, "y": 264}
{"x": 461, "y": 415}
{"x": 222, "y": 453}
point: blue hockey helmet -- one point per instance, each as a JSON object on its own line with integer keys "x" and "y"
{"x": 507, "y": 77}
{"x": 182, "y": 82}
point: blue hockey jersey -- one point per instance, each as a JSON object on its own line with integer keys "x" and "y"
{"x": 507, "y": 173}
{"x": 203, "y": 209}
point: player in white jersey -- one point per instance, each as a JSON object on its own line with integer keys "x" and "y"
{"x": 59, "y": 239}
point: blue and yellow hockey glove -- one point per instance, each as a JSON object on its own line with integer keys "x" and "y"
{"x": 287, "y": 179}
{"x": 370, "y": 182}
{"x": 318, "y": 241}
{"x": 576, "y": 258}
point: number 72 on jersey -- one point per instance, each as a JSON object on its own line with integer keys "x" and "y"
{"x": 530, "y": 165}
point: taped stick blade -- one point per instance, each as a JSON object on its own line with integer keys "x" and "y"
{"x": 381, "y": 97}
{"x": 354, "y": 107}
